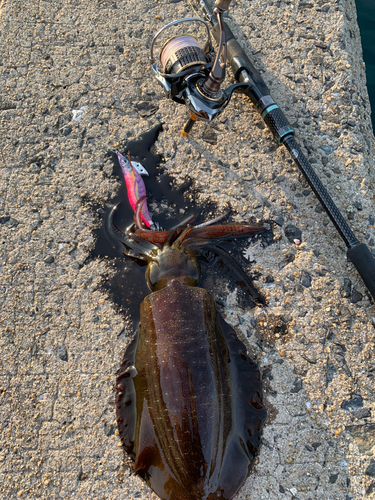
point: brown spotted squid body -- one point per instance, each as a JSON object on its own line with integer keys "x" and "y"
{"x": 189, "y": 399}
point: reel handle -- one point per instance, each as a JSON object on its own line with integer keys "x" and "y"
{"x": 222, "y": 4}
{"x": 189, "y": 125}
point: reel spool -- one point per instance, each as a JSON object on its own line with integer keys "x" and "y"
{"x": 180, "y": 53}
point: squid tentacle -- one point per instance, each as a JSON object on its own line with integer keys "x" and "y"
{"x": 224, "y": 231}
{"x": 142, "y": 243}
{"x": 213, "y": 221}
{"x": 242, "y": 279}
{"x": 135, "y": 246}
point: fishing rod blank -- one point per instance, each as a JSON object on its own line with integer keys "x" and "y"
{"x": 196, "y": 83}
{"x": 245, "y": 72}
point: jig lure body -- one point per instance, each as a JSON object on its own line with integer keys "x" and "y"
{"x": 189, "y": 399}
{"x": 135, "y": 186}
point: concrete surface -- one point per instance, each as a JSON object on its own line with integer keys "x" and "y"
{"x": 61, "y": 339}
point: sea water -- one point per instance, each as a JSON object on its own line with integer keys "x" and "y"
{"x": 366, "y": 21}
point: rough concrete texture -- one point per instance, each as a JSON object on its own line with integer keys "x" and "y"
{"x": 61, "y": 339}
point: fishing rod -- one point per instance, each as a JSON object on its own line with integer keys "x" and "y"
{"x": 192, "y": 74}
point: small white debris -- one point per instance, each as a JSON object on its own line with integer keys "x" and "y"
{"x": 249, "y": 254}
{"x": 77, "y": 113}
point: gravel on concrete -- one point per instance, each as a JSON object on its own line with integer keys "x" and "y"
{"x": 74, "y": 83}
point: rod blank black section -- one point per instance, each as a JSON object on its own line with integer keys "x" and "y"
{"x": 364, "y": 262}
{"x": 320, "y": 191}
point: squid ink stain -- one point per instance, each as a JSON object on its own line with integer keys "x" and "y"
{"x": 169, "y": 206}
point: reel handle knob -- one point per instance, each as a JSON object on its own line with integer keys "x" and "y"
{"x": 222, "y": 4}
{"x": 189, "y": 125}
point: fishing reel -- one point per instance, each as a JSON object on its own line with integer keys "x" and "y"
{"x": 190, "y": 72}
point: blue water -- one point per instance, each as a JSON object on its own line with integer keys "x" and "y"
{"x": 366, "y": 21}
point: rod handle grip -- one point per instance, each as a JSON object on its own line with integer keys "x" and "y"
{"x": 364, "y": 262}
{"x": 223, "y": 4}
